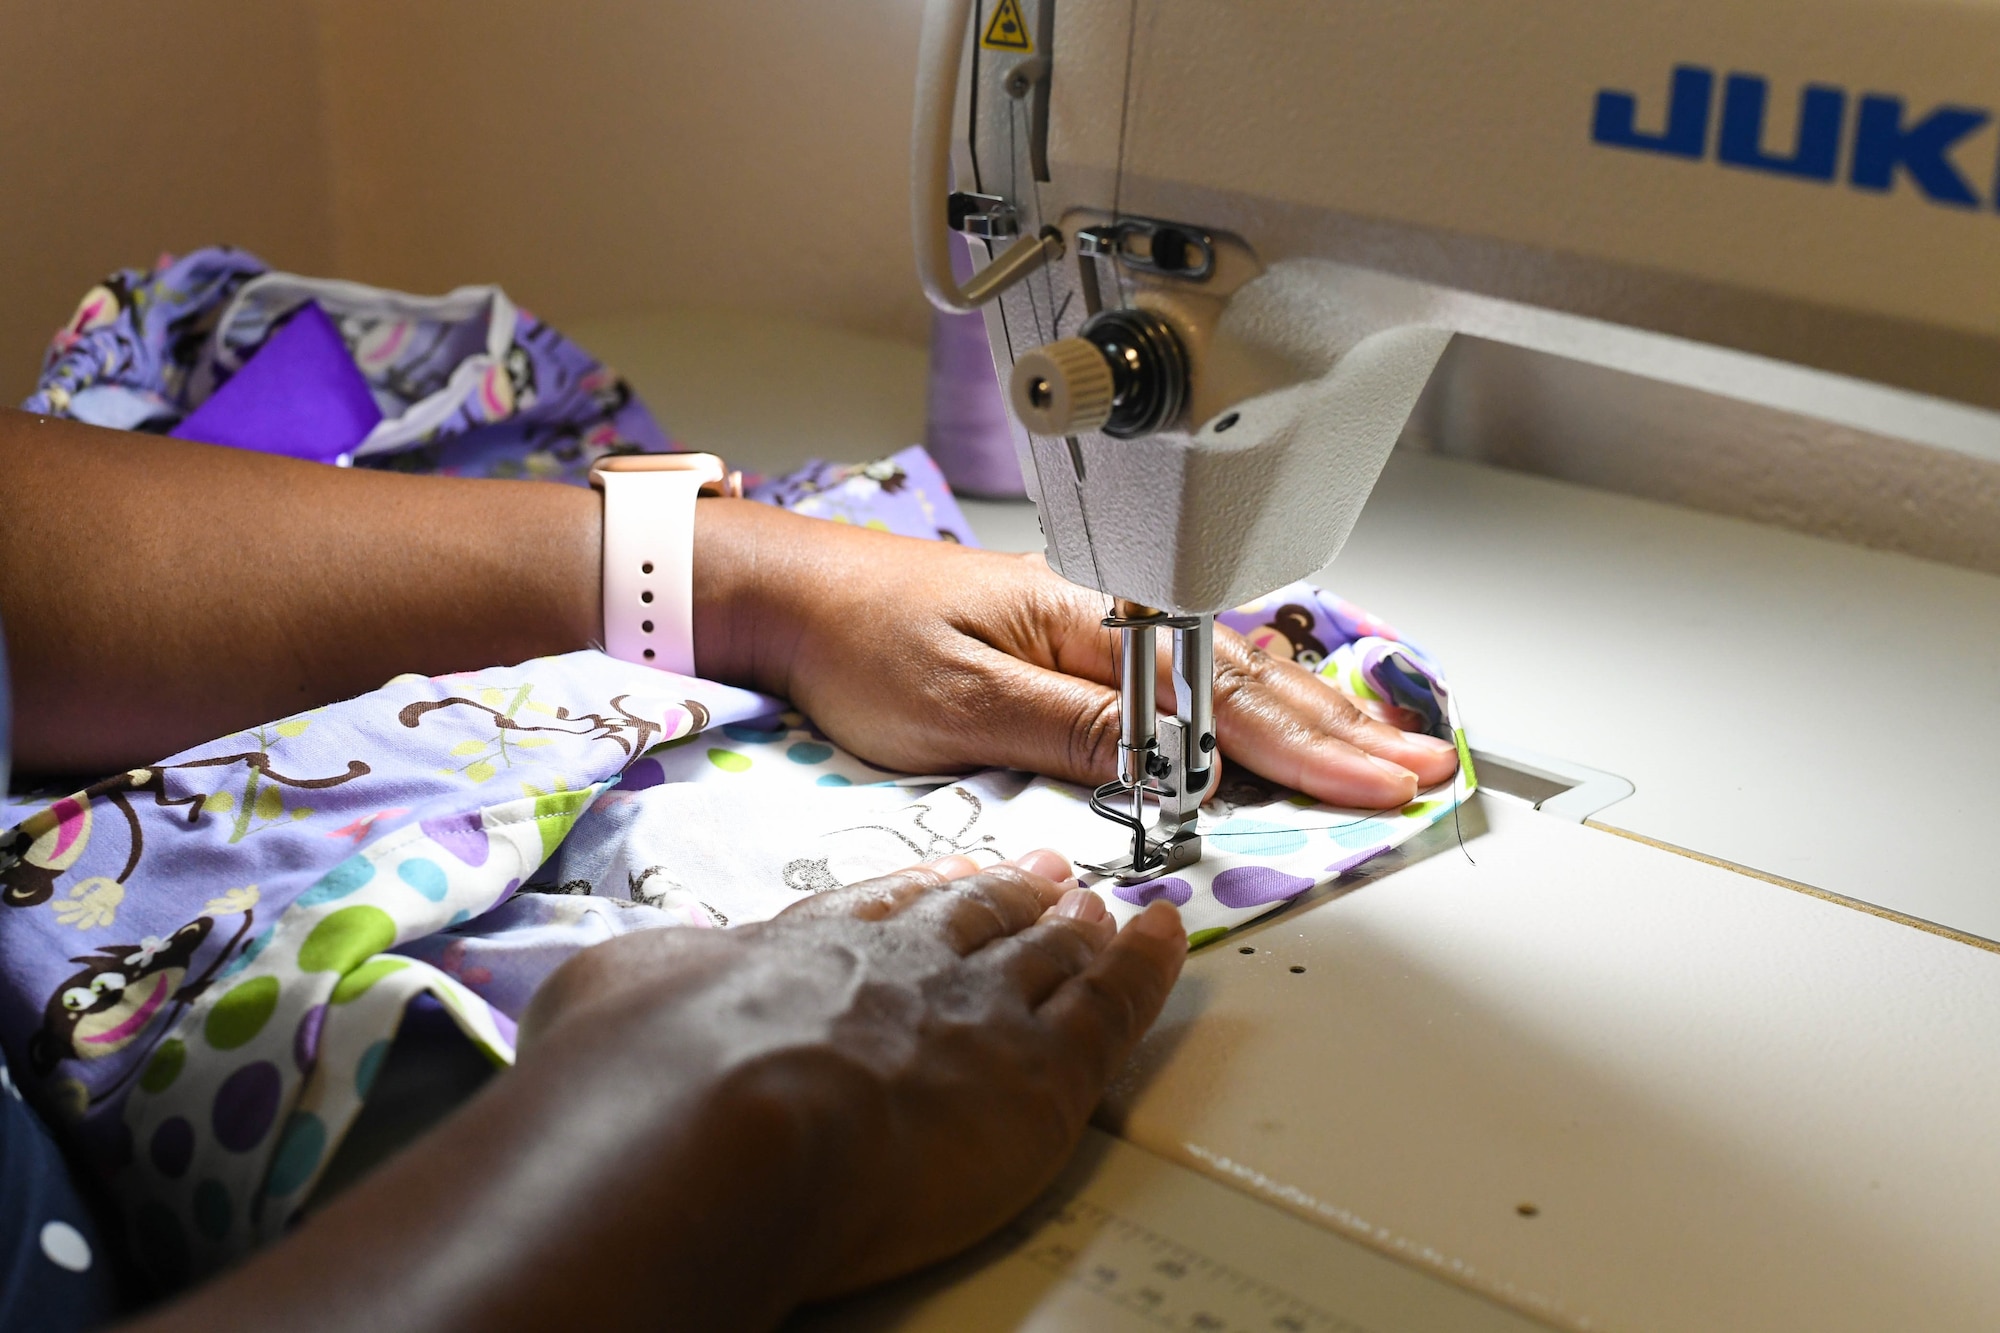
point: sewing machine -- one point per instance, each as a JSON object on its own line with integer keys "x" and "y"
{"x": 1220, "y": 250}
{"x": 1228, "y": 244}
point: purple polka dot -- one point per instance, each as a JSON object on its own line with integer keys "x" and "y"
{"x": 1175, "y": 891}
{"x": 646, "y": 773}
{"x": 305, "y": 1042}
{"x": 245, "y": 1106}
{"x": 463, "y": 835}
{"x": 1254, "y": 886}
{"x": 1353, "y": 859}
{"x": 173, "y": 1147}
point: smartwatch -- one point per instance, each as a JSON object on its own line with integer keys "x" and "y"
{"x": 649, "y": 552}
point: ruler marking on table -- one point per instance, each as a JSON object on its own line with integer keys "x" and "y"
{"x": 1163, "y": 1281}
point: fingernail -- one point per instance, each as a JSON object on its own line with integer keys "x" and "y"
{"x": 1159, "y": 921}
{"x": 1081, "y": 905}
{"x": 1431, "y": 743}
{"x": 1394, "y": 770}
{"x": 1043, "y": 861}
{"x": 952, "y": 867}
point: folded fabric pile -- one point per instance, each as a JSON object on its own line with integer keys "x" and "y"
{"x": 217, "y": 347}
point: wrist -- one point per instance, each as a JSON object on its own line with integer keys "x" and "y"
{"x": 746, "y": 580}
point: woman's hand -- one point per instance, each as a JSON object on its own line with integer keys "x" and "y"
{"x": 706, "y": 1128}
{"x": 921, "y": 1050}
{"x": 928, "y": 657}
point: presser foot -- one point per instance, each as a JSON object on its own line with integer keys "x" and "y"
{"x": 1160, "y": 858}
{"x": 1177, "y": 845}
{"x": 1167, "y": 759}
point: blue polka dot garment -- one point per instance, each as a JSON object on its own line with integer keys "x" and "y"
{"x": 53, "y": 1275}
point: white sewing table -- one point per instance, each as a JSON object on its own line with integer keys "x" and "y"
{"x": 1725, "y": 1056}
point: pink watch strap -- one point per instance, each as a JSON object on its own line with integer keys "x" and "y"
{"x": 649, "y": 567}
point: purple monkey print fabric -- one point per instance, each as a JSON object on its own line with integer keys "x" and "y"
{"x": 466, "y": 383}
{"x": 904, "y": 493}
{"x": 203, "y": 961}
{"x": 199, "y": 966}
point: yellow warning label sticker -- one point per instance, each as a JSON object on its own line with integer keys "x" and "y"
{"x": 1007, "y": 30}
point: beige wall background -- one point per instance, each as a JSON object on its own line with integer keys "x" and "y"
{"x": 128, "y": 127}
{"x": 724, "y": 159}
{"x": 595, "y": 157}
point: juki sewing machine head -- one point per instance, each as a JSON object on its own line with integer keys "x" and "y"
{"x": 1221, "y": 244}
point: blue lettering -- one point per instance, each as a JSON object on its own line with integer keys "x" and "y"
{"x": 1888, "y": 143}
{"x": 1686, "y": 134}
{"x": 1815, "y": 152}
{"x": 1882, "y": 143}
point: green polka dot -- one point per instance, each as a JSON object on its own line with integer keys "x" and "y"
{"x": 1209, "y": 936}
{"x": 361, "y": 978}
{"x": 165, "y": 1066}
{"x": 297, "y": 1156}
{"x": 368, "y": 1067}
{"x": 241, "y": 1013}
{"x": 1417, "y": 809}
{"x": 212, "y": 1210}
{"x": 347, "y": 939}
{"x": 556, "y": 811}
{"x": 729, "y": 761}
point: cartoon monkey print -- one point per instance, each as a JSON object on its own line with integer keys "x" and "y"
{"x": 101, "y": 305}
{"x": 119, "y": 993}
{"x": 1290, "y": 635}
{"x": 34, "y": 855}
{"x": 521, "y": 377}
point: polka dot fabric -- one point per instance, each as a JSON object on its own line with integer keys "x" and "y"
{"x": 51, "y": 1275}
{"x": 199, "y": 969}
{"x": 283, "y": 1056}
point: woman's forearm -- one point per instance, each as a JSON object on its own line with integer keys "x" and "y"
{"x": 158, "y": 593}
